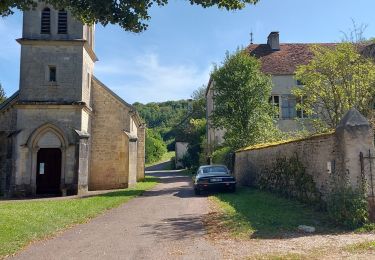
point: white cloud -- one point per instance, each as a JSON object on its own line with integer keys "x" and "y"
{"x": 143, "y": 78}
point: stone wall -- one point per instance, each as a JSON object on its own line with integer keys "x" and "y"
{"x": 109, "y": 168}
{"x": 141, "y": 153}
{"x": 337, "y": 152}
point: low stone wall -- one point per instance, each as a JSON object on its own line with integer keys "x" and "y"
{"x": 337, "y": 152}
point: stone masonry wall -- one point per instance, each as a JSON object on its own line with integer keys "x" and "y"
{"x": 338, "y": 152}
{"x": 109, "y": 168}
{"x": 314, "y": 153}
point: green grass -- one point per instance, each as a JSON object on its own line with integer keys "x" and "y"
{"x": 361, "y": 247}
{"x": 26, "y": 221}
{"x": 253, "y": 213}
{"x": 166, "y": 157}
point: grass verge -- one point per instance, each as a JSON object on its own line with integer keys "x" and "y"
{"x": 361, "y": 247}
{"x": 27, "y": 221}
{"x": 250, "y": 213}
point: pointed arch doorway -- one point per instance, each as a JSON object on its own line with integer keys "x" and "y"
{"x": 48, "y": 146}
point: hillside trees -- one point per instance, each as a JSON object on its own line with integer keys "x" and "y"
{"x": 336, "y": 80}
{"x": 155, "y": 147}
{"x": 130, "y": 15}
{"x": 241, "y": 98}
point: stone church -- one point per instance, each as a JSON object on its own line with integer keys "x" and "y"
{"x": 64, "y": 132}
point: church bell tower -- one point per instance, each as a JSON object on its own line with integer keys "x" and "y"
{"x": 54, "y": 110}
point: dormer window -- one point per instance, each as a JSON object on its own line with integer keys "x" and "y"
{"x": 62, "y": 26}
{"x": 46, "y": 21}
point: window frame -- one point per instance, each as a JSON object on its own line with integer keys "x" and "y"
{"x": 52, "y": 68}
{"x": 276, "y": 104}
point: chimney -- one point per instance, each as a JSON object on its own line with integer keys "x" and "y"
{"x": 273, "y": 41}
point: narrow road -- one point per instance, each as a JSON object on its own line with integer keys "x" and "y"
{"x": 164, "y": 223}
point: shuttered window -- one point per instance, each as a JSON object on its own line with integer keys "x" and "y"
{"x": 62, "y": 26}
{"x": 46, "y": 21}
{"x": 288, "y": 107}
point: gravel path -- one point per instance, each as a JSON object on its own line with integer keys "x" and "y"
{"x": 166, "y": 223}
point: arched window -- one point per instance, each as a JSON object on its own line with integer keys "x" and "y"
{"x": 46, "y": 21}
{"x": 62, "y": 26}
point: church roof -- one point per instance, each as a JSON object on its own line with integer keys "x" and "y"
{"x": 9, "y": 101}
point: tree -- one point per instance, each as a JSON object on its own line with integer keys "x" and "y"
{"x": 130, "y": 15}
{"x": 2, "y": 94}
{"x": 241, "y": 95}
{"x": 336, "y": 80}
{"x": 155, "y": 147}
{"x": 199, "y": 102}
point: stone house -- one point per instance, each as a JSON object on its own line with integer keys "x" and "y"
{"x": 279, "y": 60}
{"x": 64, "y": 132}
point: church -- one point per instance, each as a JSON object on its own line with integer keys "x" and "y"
{"x": 64, "y": 132}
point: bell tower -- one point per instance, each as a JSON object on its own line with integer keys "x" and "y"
{"x": 54, "y": 110}
{"x": 57, "y": 57}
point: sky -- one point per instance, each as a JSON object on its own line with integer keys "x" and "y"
{"x": 175, "y": 55}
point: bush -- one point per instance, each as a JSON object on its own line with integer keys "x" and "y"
{"x": 224, "y": 156}
{"x": 155, "y": 147}
{"x": 348, "y": 207}
{"x": 288, "y": 178}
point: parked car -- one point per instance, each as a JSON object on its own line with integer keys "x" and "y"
{"x": 211, "y": 177}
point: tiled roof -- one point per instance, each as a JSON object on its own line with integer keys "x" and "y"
{"x": 283, "y": 61}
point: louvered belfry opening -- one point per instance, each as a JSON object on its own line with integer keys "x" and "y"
{"x": 46, "y": 21}
{"x": 62, "y": 26}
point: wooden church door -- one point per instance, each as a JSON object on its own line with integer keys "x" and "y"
{"x": 48, "y": 171}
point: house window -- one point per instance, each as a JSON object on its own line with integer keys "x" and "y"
{"x": 46, "y": 21}
{"x": 52, "y": 74}
{"x": 288, "y": 107}
{"x": 300, "y": 112}
{"x": 275, "y": 102}
{"x": 62, "y": 26}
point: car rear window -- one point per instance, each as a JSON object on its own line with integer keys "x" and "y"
{"x": 220, "y": 169}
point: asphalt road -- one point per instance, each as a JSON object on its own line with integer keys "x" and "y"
{"x": 164, "y": 223}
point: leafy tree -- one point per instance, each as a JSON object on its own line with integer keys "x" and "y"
{"x": 155, "y": 147}
{"x": 336, "y": 80}
{"x": 199, "y": 102}
{"x": 193, "y": 133}
{"x": 130, "y": 15}
{"x": 2, "y": 94}
{"x": 241, "y": 93}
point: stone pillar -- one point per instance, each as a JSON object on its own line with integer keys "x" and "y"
{"x": 83, "y": 163}
{"x": 132, "y": 162}
{"x": 141, "y": 153}
{"x": 355, "y": 136}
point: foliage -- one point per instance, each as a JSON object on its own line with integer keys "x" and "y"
{"x": 162, "y": 115}
{"x": 194, "y": 134}
{"x": 155, "y": 147}
{"x": 347, "y": 206}
{"x": 24, "y": 222}
{"x": 2, "y": 94}
{"x": 130, "y": 15}
{"x": 241, "y": 94}
{"x": 288, "y": 178}
{"x": 223, "y": 155}
{"x": 251, "y": 213}
{"x": 199, "y": 102}
{"x": 336, "y": 80}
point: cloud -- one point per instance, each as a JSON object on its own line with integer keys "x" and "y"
{"x": 144, "y": 78}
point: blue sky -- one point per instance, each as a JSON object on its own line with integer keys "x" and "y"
{"x": 175, "y": 55}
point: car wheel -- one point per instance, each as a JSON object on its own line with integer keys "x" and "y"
{"x": 233, "y": 189}
{"x": 197, "y": 191}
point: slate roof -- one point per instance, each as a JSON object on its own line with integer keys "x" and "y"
{"x": 283, "y": 61}
{"x": 8, "y": 102}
